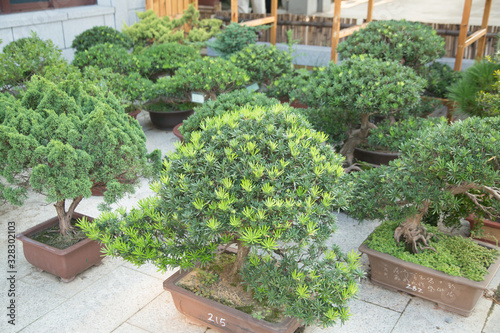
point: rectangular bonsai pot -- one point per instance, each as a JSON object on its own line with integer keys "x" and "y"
{"x": 65, "y": 263}
{"x": 491, "y": 230}
{"x": 220, "y": 317}
{"x": 452, "y": 293}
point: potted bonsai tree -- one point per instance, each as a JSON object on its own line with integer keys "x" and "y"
{"x": 360, "y": 88}
{"x": 233, "y": 38}
{"x": 100, "y": 35}
{"x": 62, "y": 142}
{"x": 449, "y": 171}
{"x": 169, "y": 101}
{"x": 259, "y": 180}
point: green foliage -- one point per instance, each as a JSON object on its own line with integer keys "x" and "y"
{"x": 478, "y": 78}
{"x": 411, "y": 44}
{"x": 455, "y": 256}
{"x": 489, "y": 102}
{"x": 263, "y": 179}
{"x": 389, "y": 137}
{"x": 61, "y": 141}
{"x": 25, "y": 57}
{"x": 167, "y": 58}
{"x": 224, "y": 103}
{"x": 290, "y": 84}
{"x": 100, "y": 35}
{"x": 154, "y": 30}
{"x": 263, "y": 63}
{"x": 439, "y": 78}
{"x": 110, "y": 56}
{"x": 234, "y": 38}
{"x": 453, "y": 168}
{"x": 214, "y": 76}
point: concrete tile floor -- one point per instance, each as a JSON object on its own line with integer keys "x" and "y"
{"x": 119, "y": 297}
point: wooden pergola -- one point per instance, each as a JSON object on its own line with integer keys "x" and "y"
{"x": 170, "y": 8}
{"x": 273, "y": 18}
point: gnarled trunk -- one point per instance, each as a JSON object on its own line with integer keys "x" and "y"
{"x": 65, "y": 216}
{"x": 357, "y": 137}
{"x": 413, "y": 233}
{"x": 242, "y": 253}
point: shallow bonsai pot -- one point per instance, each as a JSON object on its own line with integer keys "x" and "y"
{"x": 167, "y": 119}
{"x": 218, "y": 316}
{"x": 177, "y": 133}
{"x": 374, "y": 157}
{"x": 65, "y": 263}
{"x": 295, "y": 104}
{"x": 491, "y": 230}
{"x": 452, "y": 293}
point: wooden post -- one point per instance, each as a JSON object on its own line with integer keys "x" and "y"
{"x": 335, "y": 30}
{"x": 464, "y": 26}
{"x": 234, "y": 11}
{"x": 369, "y": 15}
{"x": 274, "y": 13}
{"x": 149, "y": 4}
{"x": 484, "y": 25}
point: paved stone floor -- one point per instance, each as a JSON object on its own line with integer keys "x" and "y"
{"x": 118, "y": 297}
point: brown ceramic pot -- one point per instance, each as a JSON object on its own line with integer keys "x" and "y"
{"x": 491, "y": 230}
{"x": 177, "y": 133}
{"x": 65, "y": 263}
{"x": 374, "y": 157}
{"x": 220, "y": 317}
{"x": 452, "y": 293}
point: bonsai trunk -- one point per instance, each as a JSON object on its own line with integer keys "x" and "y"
{"x": 413, "y": 233}
{"x": 242, "y": 253}
{"x": 65, "y": 216}
{"x": 356, "y": 137}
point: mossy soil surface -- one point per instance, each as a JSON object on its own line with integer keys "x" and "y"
{"x": 215, "y": 283}
{"x": 170, "y": 107}
{"x": 455, "y": 255}
{"x": 52, "y": 236}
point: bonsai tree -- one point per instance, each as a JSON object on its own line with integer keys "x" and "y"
{"x": 224, "y": 103}
{"x": 61, "y": 141}
{"x": 25, "y": 57}
{"x": 263, "y": 180}
{"x": 263, "y": 63}
{"x": 112, "y": 56}
{"x": 411, "y": 44}
{"x": 362, "y": 87}
{"x": 234, "y": 38}
{"x": 100, "y": 35}
{"x": 439, "y": 78}
{"x": 489, "y": 102}
{"x": 447, "y": 170}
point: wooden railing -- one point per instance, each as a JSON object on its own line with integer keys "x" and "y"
{"x": 170, "y": 8}
{"x": 265, "y": 20}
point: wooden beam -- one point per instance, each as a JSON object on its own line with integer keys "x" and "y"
{"x": 369, "y": 14}
{"x": 349, "y": 31}
{"x": 464, "y": 26}
{"x": 335, "y": 30}
{"x": 274, "y": 15}
{"x": 256, "y": 22}
{"x": 474, "y": 37}
{"x": 234, "y": 11}
{"x": 163, "y": 8}
{"x": 156, "y": 6}
{"x": 149, "y": 4}
{"x": 484, "y": 25}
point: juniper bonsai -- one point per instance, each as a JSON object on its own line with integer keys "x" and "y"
{"x": 263, "y": 180}
{"x": 448, "y": 170}
{"x": 61, "y": 141}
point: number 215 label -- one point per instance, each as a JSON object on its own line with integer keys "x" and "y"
{"x": 217, "y": 320}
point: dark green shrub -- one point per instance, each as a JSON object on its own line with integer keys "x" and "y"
{"x": 479, "y": 77}
{"x": 115, "y": 57}
{"x": 439, "y": 78}
{"x": 167, "y": 58}
{"x": 25, "y": 57}
{"x": 233, "y": 38}
{"x": 263, "y": 63}
{"x": 409, "y": 43}
{"x": 100, "y": 35}
{"x": 259, "y": 178}
{"x": 489, "y": 102}
{"x": 224, "y": 103}
{"x": 290, "y": 84}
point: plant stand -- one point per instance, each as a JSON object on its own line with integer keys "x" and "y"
{"x": 65, "y": 263}
{"x": 452, "y": 293}
{"x": 220, "y": 317}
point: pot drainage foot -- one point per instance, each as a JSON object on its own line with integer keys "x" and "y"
{"x": 68, "y": 279}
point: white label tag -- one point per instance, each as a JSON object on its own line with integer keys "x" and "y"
{"x": 253, "y": 87}
{"x": 197, "y": 98}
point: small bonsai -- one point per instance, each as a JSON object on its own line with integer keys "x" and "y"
{"x": 290, "y": 84}
{"x": 224, "y": 103}
{"x": 476, "y": 79}
{"x": 439, "y": 78}
{"x": 110, "y": 56}
{"x": 154, "y": 30}
{"x": 61, "y": 142}
{"x": 233, "y": 38}
{"x": 489, "y": 102}
{"x": 100, "y": 35}
{"x": 411, "y": 44}
{"x": 25, "y": 57}
{"x": 263, "y": 63}
{"x": 447, "y": 170}
{"x": 263, "y": 180}
{"x": 362, "y": 87}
